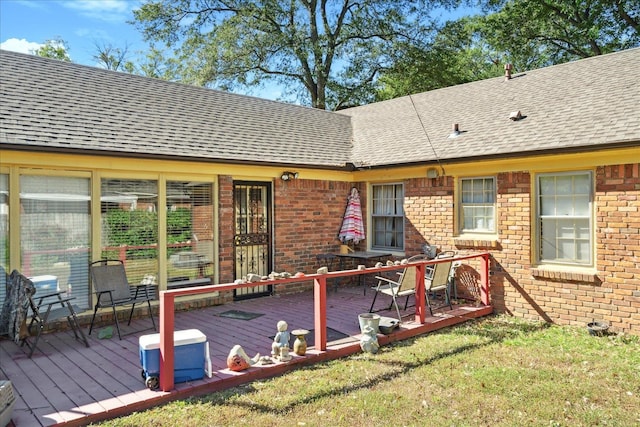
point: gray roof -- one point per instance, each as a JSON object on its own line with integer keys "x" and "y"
{"x": 49, "y": 105}
{"x": 56, "y": 105}
{"x": 572, "y": 106}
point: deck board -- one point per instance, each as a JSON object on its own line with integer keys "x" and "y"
{"x": 66, "y": 383}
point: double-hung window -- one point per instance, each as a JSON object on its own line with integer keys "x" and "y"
{"x": 478, "y": 205}
{"x": 565, "y": 218}
{"x": 387, "y": 216}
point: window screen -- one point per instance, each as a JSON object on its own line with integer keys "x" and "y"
{"x": 129, "y": 222}
{"x": 564, "y": 214}
{"x": 189, "y": 231}
{"x": 477, "y": 205}
{"x": 388, "y": 216}
{"x": 55, "y": 227}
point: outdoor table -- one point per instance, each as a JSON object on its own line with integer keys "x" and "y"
{"x": 364, "y": 257}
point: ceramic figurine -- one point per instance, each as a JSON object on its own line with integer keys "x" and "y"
{"x": 300, "y": 344}
{"x": 238, "y": 359}
{"x": 369, "y": 341}
{"x": 281, "y": 341}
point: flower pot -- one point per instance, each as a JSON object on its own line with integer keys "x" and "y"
{"x": 369, "y": 319}
{"x": 597, "y": 329}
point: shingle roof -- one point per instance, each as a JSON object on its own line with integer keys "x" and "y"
{"x": 58, "y": 105}
{"x": 581, "y": 104}
{"x": 53, "y": 105}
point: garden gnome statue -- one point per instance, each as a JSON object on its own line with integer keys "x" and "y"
{"x": 238, "y": 359}
{"x": 280, "y": 346}
{"x": 369, "y": 340}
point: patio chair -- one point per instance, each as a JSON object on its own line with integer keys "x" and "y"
{"x": 47, "y": 308}
{"x": 405, "y": 286}
{"x": 437, "y": 279}
{"x": 112, "y": 290}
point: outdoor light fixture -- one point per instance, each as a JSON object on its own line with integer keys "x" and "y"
{"x": 286, "y": 176}
{"x": 432, "y": 173}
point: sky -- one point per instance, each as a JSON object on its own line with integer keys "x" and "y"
{"x": 25, "y": 25}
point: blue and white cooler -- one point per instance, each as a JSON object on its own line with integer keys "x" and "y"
{"x": 45, "y": 284}
{"x": 191, "y": 360}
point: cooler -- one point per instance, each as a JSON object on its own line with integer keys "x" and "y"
{"x": 189, "y": 360}
{"x": 45, "y": 284}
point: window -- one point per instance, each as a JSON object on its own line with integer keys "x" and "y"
{"x": 477, "y": 206}
{"x": 189, "y": 231}
{"x": 564, "y": 215}
{"x": 387, "y": 216}
{"x": 55, "y": 234}
{"x": 129, "y": 221}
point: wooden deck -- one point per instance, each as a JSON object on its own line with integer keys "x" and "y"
{"x": 66, "y": 383}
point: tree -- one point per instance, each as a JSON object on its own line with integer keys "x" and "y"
{"x": 327, "y": 52}
{"x": 526, "y": 33}
{"x": 537, "y": 33}
{"x": 456, "y": 55}
{"x": 113, "y": 58}
{"x": 54, "y": 49}
{"x": 155, "y": 64}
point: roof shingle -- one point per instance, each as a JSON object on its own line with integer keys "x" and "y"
{"x": 582, "y": 104}
{"x": 60, "y": 105}
{"x": 53, "y": 105}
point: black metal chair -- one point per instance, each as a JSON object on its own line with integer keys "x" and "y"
{"x": 48, "y": 308}
{"x": 112, "y": 289}
{"x": 22, "y": 303}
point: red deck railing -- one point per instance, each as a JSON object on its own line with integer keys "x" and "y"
{"x": 167, "y": 303}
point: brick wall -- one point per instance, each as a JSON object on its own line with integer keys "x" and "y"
{"x": 225, "y": 261}
{"x": 429, "y": 213}
{"x": 617, "y": 298}
{"x": 307, "y": 216}
{"x": 306, "y": 224}
{"x": 611, "y": 293}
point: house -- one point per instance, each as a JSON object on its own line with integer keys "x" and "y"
{"x": 540, "y": 168}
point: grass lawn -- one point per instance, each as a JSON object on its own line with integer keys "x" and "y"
{"x": 497, "y": 371}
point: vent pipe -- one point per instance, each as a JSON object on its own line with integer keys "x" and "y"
{"x": 455, "y": 131}
{"x": 507, "y": 71}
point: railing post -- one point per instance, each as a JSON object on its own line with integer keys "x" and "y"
{"x": 421, "y": 304}
{"x": 167, "y": 362}
{"x": 484, "y": 279}
{"x": 320, "y": 312}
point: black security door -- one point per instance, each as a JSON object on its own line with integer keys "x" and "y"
{"x": 252, "y": 242}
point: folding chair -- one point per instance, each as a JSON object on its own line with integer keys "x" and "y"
{"x": 48, "y": 308}
{"x": 404, "y": 286}
{"x": 437, "y": 280}
{"x": 112, "y": 289}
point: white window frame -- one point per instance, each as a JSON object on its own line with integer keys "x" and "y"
{"x": 487, "y": 224}
{"x": 564, "y": 219}
{"x": 391, "y": 215}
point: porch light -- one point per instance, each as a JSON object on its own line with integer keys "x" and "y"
{"x": 432, "y": 173}
{"x": 287, "y": 176}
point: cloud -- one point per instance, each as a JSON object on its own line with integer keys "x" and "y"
{"x": 116, "y": 11}
{"x": 20, "y": 45}
{"x": 31, "y": 3}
